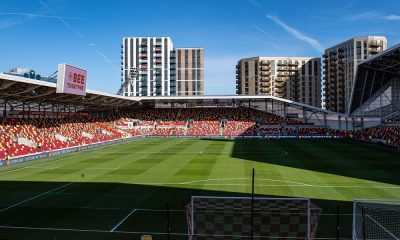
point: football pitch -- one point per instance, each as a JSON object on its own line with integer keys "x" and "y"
{"x": 121, "y": 191}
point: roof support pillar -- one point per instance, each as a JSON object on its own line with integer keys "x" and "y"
{"x": 5, "y": 110}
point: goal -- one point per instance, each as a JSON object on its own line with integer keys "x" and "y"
{"x": 376, "y": 219}
{"x": 235, "y": 218}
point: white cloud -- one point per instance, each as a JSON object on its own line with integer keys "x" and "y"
{"x": 373, "y": 15}
{"x": 295, "y": 33}
{"x": 288, "y": 49}
{"x": 8, "y": 23}
{"x": 255, "y": 3}
{"x": 38, "y": 15}
{"x": 91, "y": 44}
{"x": 364, "y": 15}
{"x": 392, "y": 17}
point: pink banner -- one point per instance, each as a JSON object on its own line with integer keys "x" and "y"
{"x": 71, "y": 80}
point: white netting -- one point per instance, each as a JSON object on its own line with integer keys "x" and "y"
{"x": 376, "y": 219}
{"x": 230, "y": 218}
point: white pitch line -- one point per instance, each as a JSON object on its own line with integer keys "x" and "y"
{"x": 198, "y": 182}
{"x": 159, "y": 210}
{"x": 116, "y": 226}
{"x": 116, "y": 168}
{"x": 87, "y": 230}
{"x": 44, "y": 168}
{"x": 54, "y": 229}
{"x": 283, "y": 153}
{"x": 34, "y": 197}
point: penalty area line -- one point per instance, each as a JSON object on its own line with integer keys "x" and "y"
{"x": 123, "y": 220}
{"x": 34, "y": 197}
{"x": 85, "y": 230}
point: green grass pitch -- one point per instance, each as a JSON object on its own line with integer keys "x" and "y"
{"x": 121, "y": 191}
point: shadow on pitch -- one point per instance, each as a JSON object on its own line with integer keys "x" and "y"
{"x": 50, "y": 208}
{"x": 339, "y": 157}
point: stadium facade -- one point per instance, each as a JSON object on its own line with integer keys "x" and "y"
{"x": 340, "y": 67}
{"x": 376, "y": 91}
{"x": 150, "y": 66}
{"x": 293, "y": 78}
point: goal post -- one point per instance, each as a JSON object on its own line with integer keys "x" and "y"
{"x": 233, "y": 218}
{"x": 376, "y": 219}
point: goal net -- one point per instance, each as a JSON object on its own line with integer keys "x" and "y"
{"x": 376, "y": 219}
{"x": 231, "y": 218}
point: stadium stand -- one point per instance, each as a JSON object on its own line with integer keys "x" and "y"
{"x": 388, "y": 134}
{"x": 27, "y": 136}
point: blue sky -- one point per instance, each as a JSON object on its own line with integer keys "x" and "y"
{"x": 39, "y": 34}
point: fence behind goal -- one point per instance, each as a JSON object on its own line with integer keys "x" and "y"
{"x": 235, "y": 218}
{"x": 376, "y": 219}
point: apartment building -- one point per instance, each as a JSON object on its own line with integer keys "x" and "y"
{"x": 150, "y": 67}
{"x": 187, "y": 71}
{"x": 293, "y": 78}
{"x": 340, "y": 66}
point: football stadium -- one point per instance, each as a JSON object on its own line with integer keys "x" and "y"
{"x": 308, "y": 148}
{"x": 103, "y": 166}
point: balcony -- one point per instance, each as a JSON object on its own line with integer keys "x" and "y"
{"x": 265, "y": 90}
{"x": 283, "y": 74}
{"x": 375, "y": 43}
{"x": 283, "y": 68}
{"x": 265, "y": 84}
{"x": 265, "y": 79}
{"x": 374, "y": 50}
{"x": 296, "y": 63}
{"x": 265, "y": 62}
{"x": 157, "y": 49}
{"x": 282, "y": 64}
{"x": 265, "y": 73}
{"x": 280, "y": 89}
{"x": 158, "y": 61}
{"x": 264, "y": 68}
{"x": 160, "y": 66}
{"x": 280, "y": 84}
{"x": 279, "y": 79}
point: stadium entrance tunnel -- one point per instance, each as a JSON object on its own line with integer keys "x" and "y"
{"x": 83, "y": 210}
